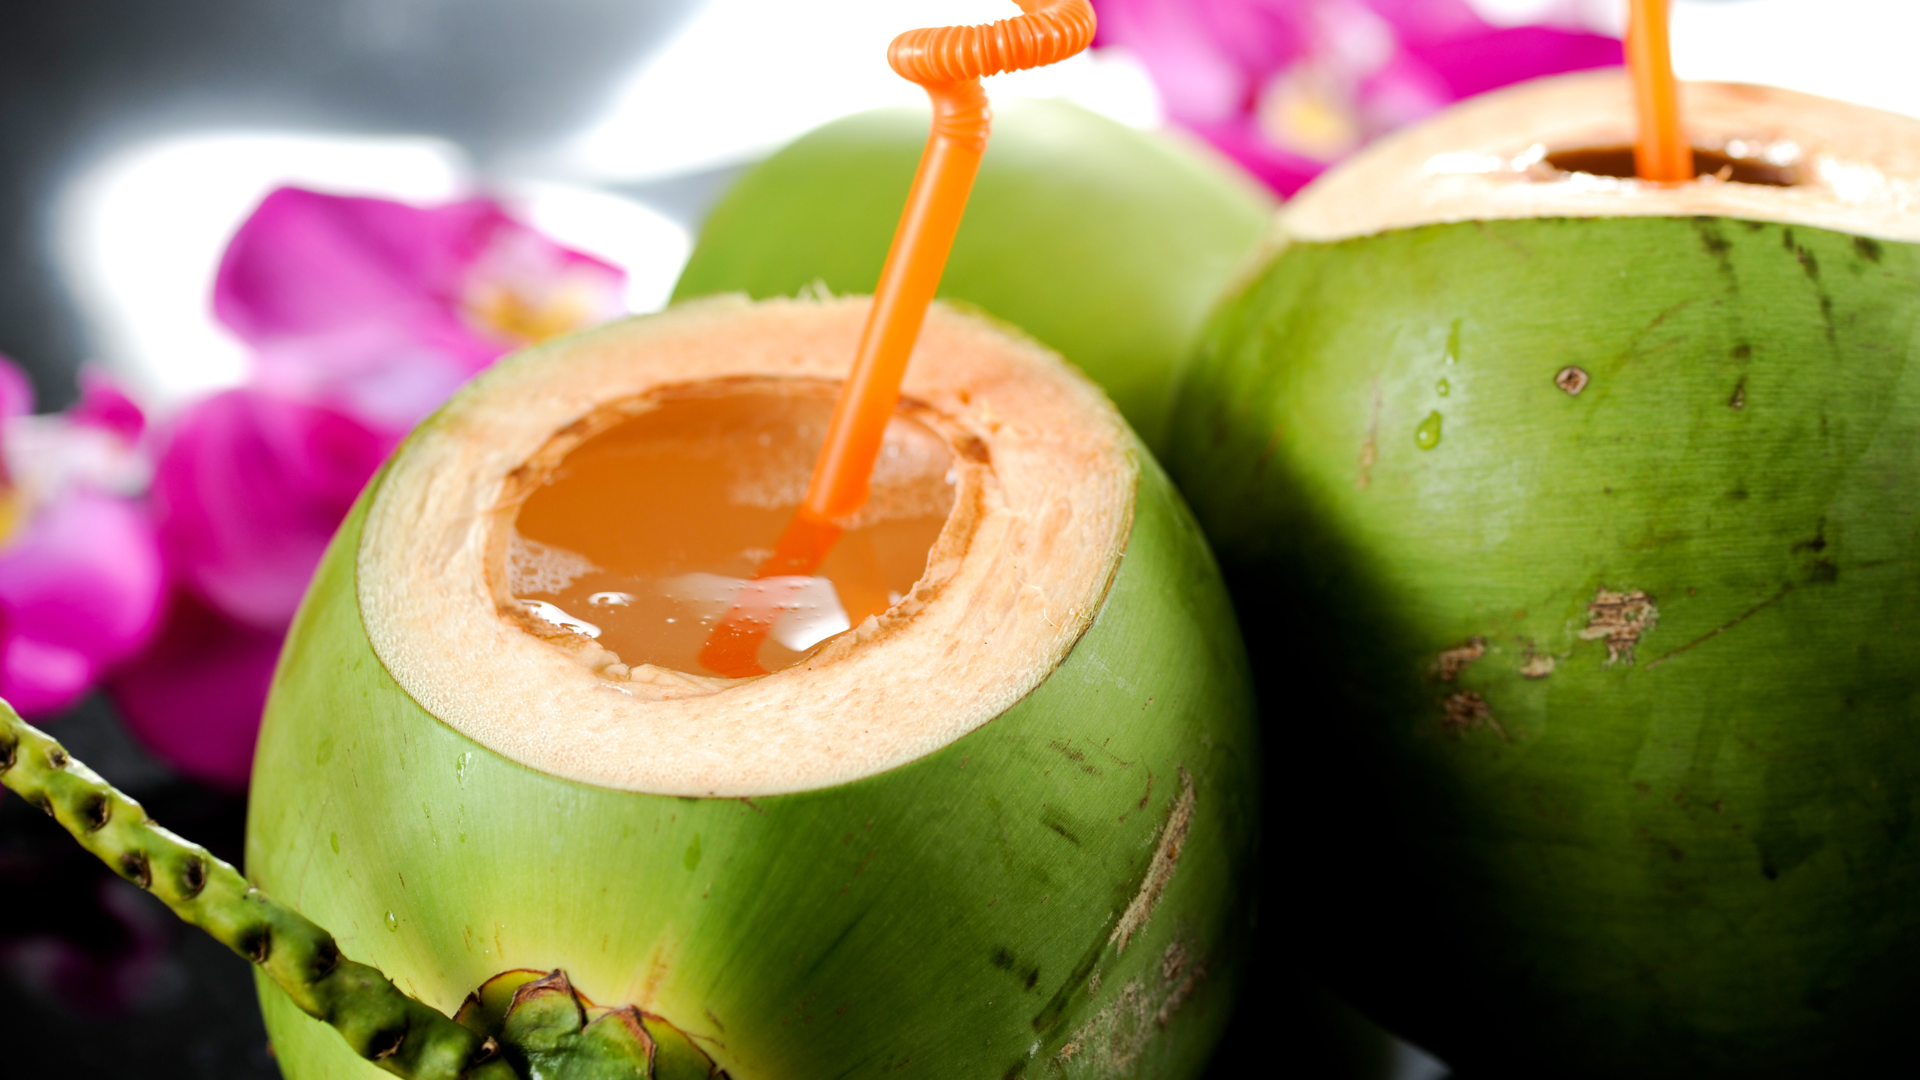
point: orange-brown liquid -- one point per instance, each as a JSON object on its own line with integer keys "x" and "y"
{"x": 645, "y": 534}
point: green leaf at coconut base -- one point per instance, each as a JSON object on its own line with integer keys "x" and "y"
{"x": 1108, "y": 244}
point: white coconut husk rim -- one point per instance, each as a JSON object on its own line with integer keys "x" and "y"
{"x": 1043, "y": 506}
{"x": 1857, "y": 169}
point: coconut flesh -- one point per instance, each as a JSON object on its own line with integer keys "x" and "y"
{"x": 1831, "y": 165}
{"x": 1579, "y": 510}
{"x": 1042, "y": 504}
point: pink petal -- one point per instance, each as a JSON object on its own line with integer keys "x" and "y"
{"x": 363, "y": 303}
{"x": 1242, "y": 140}
{"x": 1403, "y": 92}
{"x": 250, "y": 488}
{"x": 1199, "y": 52}
{"x": 80, "y": 590}
{"x": 1419, "y": 21}
{"x": 306, "y": 263}
{"x": 16, "y": 390}
{"x": 195, "y": 697}
{"x": 1482, "y": 62}
{"x": 103, "y": 404}
{"x": 39, "y": 679}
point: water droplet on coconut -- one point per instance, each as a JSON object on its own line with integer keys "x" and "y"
{"x": 1443, "y": 388}
{"x": 1427, "y": 435}
{"x": 1453, "y": 341}
{"x": 334, "y": 838}
{"x": 460, "y": 767}
{"x": 393, "y": 923}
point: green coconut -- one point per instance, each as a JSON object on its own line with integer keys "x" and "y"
{"x": 1003, "y": 830}
{"x": 1579, "y": 515}
{"x": 1108, "y": 244}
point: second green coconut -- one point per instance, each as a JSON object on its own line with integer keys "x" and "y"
{"x": 1573, "y": 524}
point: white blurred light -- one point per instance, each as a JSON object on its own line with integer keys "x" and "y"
{"x": 745, "y": 76}
{"x": 649, "y": 246}
{"x": 139, "y": 235}
{"x": 1855, "y": 50}
{"x": 1599, "y": 16}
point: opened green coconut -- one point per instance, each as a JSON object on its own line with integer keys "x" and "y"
{"x": 1106, "y": 243}
{"x": 1001, "y": 829}
{"x": 1578, "y": 514}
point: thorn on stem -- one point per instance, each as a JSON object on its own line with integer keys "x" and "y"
{"x": 392, "y": 1047}
{"x": 257, "y": 945}
{"x": 326, "y": 957}
{"x": 96, "y": 812}
{"x": 193, "y": 878}
{"x": 135, "y": 868}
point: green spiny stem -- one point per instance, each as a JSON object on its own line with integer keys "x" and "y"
{"x": 382, "y": 1024}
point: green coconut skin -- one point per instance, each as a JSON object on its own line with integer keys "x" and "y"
{"x": 1108, "y": 244}
{"x": 952, "y": 917}
{"x": 1699, "y": 863}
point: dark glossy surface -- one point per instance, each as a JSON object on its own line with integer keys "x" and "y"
{"x": 498, "y": 77}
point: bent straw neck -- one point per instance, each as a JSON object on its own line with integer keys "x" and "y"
{"x": 962, "y": 120}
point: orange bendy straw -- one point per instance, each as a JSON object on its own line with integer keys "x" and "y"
{"x": 949, "y": 61}
{"x": 1661, "y": 152}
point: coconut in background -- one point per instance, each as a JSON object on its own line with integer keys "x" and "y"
{"x": 1575, "y": 510}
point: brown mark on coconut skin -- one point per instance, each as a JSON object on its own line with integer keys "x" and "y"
{"x": 1715, "y": 244}
{"x": 1451, "y": 662}
{"x": 1535, "y": 664}
{"x": 1810, "y": 265}
{"x": 1572, "y": 380}
{"x": 1370, "y": 450}
{"x": 1466, "y": 711}
{"x": 1620, "y": 619}
{"x": 1739, "y": 399}
{"x": 1112, "y": 1042}
{"x": 1724, "y": 627}
{"x": 1166, "y": 859}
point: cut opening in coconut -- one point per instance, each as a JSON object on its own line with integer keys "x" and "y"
{"x": 1718, "y": 166}
{"x": 642, "y": 527}
{"x": 1561, "y": 147}
{"x": 577, "y": 469}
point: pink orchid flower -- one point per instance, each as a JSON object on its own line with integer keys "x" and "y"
{"x": 364, "y": 315}
{"x": 1287, "y": 87}
{"x": 80, "y": 571}
{"x": 381, "y": 309}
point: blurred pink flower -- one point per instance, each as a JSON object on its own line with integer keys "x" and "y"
{"x": 382, "y": 309}
{"x": 1287, "y": 87}
{"x": 194, "y": 697}
{"x": 248, "y": 492}
{"x": 363, "y": 316}
{"x": 80, "y": 571}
